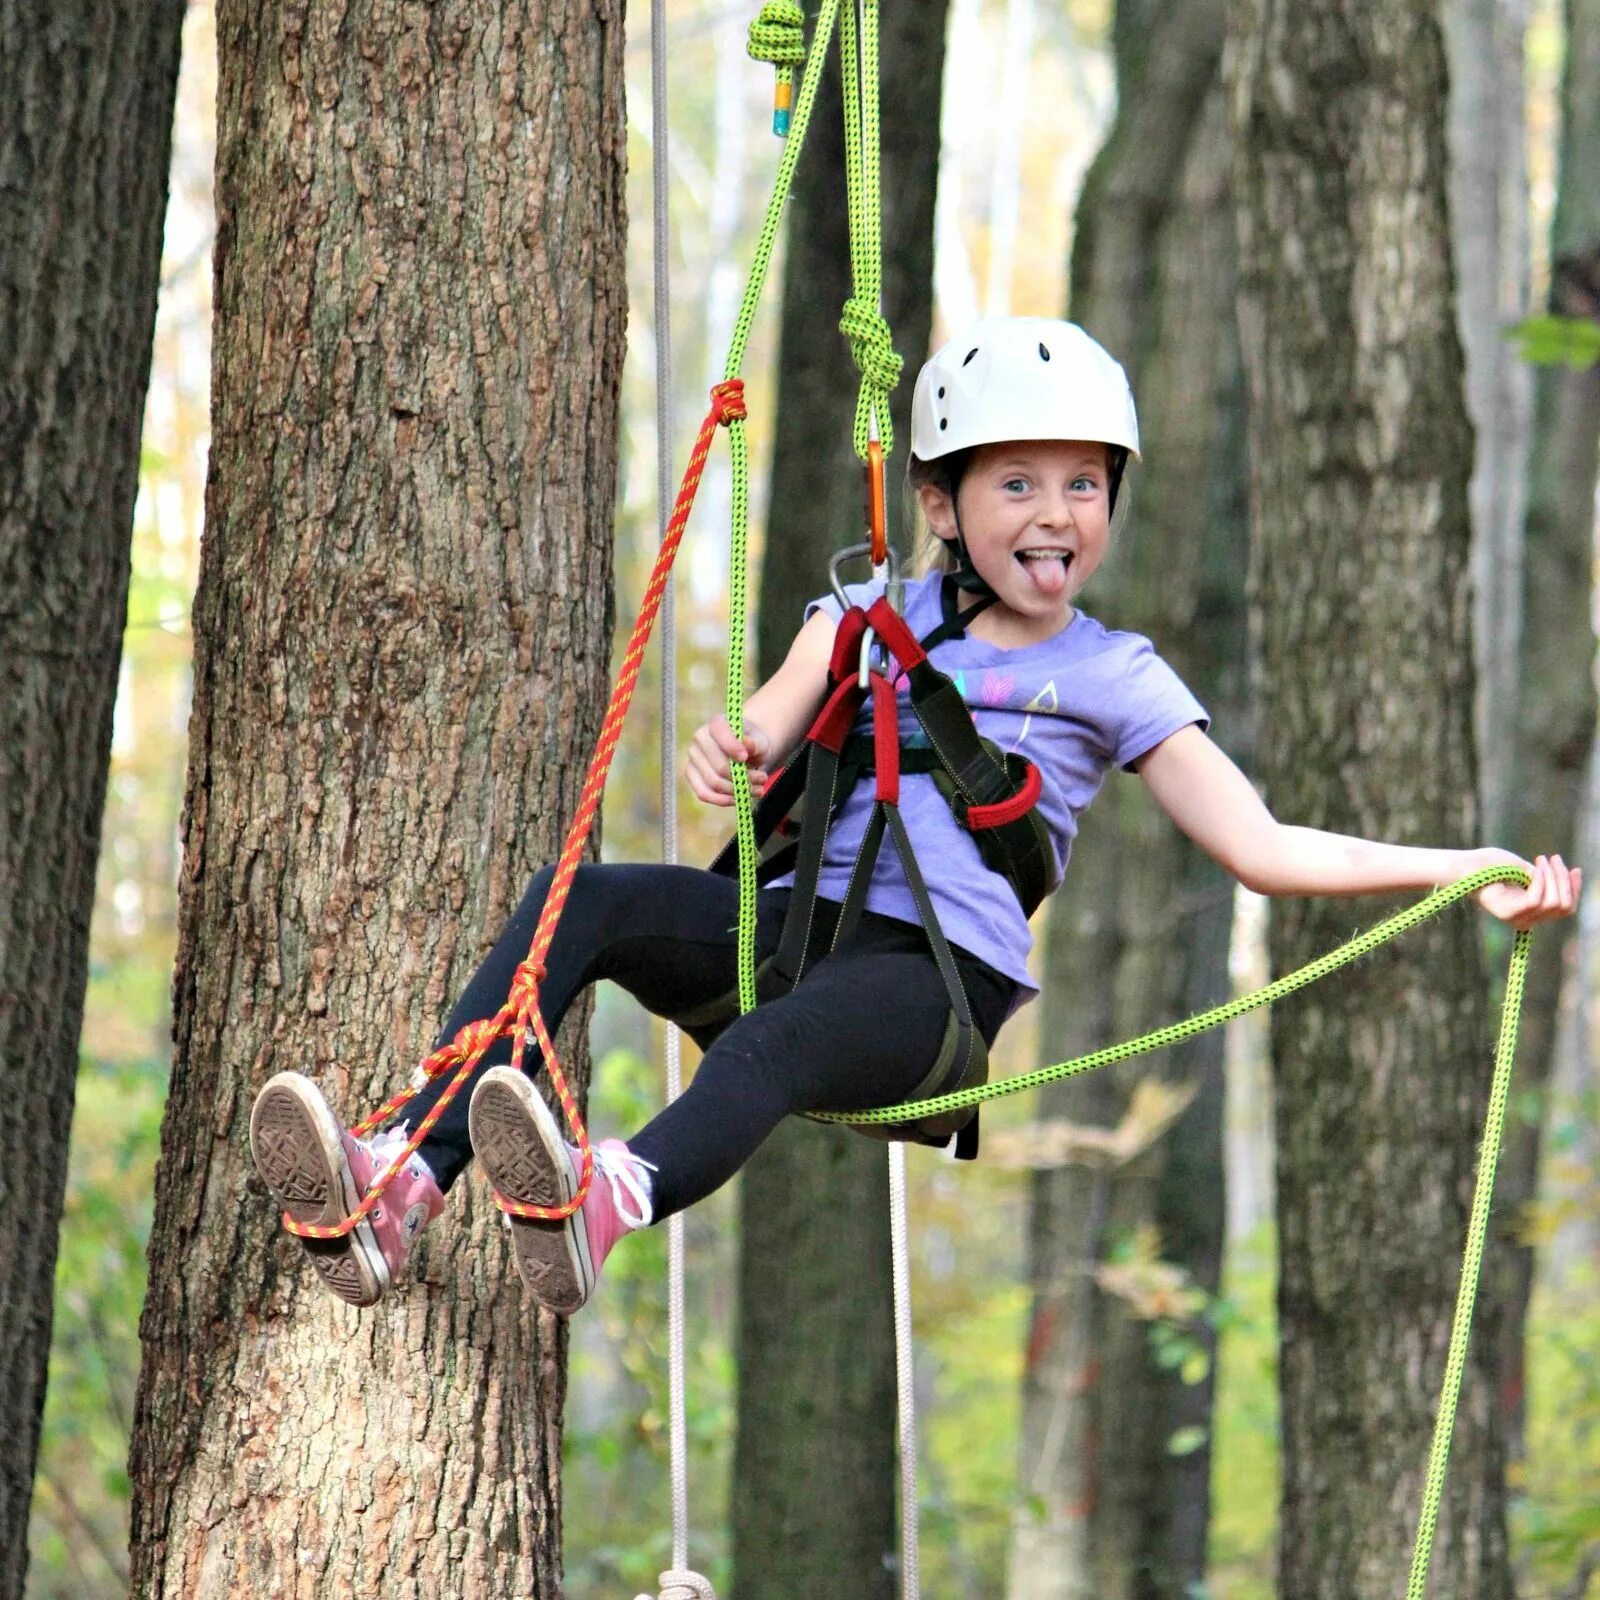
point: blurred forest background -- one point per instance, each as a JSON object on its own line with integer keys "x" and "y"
{"x": 1007, "y": 190}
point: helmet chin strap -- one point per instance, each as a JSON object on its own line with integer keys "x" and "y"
{"x": 966, "y": 577}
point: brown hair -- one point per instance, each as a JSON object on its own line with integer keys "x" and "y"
{"x": 944, "y": 473}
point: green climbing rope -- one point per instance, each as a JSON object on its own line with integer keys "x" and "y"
{"x": 871, "y": 343}
{"x": 738, "y": 568}
{"x": 1489, "y": 1154}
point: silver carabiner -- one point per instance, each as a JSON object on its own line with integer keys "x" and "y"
{"x": 874, "y": 654}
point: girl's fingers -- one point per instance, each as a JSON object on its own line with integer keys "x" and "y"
{"x": 709, "y": 785}
{"x": 1568, "y": 898}
{"x": 726, "y": 740}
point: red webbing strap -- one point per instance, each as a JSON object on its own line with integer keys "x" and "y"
{"x": 891, "y": 628}
{"x": 1011, "y": 810}
{"x": 847, "y": 645}
{"x": 521, "y": 1011}
{"x": 885, "y": 739}
{"x": 837, "y": 716}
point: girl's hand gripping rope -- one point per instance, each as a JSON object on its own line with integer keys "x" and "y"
{"x": 712, "y": 752}
{"x": 1552, "y": 892}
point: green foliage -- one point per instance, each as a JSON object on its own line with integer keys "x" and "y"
{"x": 1552, "y": 341}
{"x": 1244, "y": 1462}
{"x": 79, "y": 1523}
{"x": 1556, "y": 1513}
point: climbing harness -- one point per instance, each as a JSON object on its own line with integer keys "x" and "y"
{"x": 988, "y": 791}
{"x": 993, "y": 794}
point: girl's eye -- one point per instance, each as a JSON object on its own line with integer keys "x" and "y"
{"x": 1015, "y": 485}
{"x": 1085, "y": 485}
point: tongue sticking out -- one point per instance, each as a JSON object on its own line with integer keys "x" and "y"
{"x": 1049, "y": 574}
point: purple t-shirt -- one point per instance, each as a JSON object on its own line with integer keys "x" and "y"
{"x": 1076, "y": 704}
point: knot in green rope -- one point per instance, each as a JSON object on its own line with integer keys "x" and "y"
{"x": 871, "y": 344}
{"x": 778, "y": 34}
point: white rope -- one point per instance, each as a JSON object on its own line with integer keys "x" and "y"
{"x": 677, "y": 1584}
{"x": 910, "y": 1574}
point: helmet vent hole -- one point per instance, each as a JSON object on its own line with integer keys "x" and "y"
{"x": 1044, "y": 355}
{"x": 944, "y": 422}
{"x": 970, "y": 354}
{"x": 941, "y": 391}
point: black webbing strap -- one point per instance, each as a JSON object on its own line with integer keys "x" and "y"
{"x": 979, "y": 774}
{"x": 886, "y": 814}
{"x": 952, "y": 623}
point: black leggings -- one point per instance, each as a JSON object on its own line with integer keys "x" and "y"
{"x": 862, "y": 1027}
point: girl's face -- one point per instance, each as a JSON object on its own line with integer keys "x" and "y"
{"x": 1036, "y": 515}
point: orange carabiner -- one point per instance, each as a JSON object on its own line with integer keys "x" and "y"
{"x": 877, "y": 515}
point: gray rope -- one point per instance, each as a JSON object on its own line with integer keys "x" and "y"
{"x": 677, "y": 1426}
{"x": 905, "y": 1370}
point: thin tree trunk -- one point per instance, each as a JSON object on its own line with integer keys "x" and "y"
{"x": 1489, "y": 227}
{"x": 1361, "y": 454}
{"x": 813, "y": 1505}
{"x": 401, "y": 635}
{"x": 1140, "y": 933}
{"x": 83, "y": 191}
{"x": 1554, "y": 730}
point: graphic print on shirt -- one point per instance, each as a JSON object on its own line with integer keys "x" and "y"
{"x": 997, "y": 689}
{"x": 1046, "y": 702}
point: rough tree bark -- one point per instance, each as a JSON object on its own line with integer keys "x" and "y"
{"x": 1554, "y": 728}
{"x": 1360, "y": 458}
{"x": 1140, "y": 934}
{"x": 84, "y": 147}
{"x": 814, "y": 1481}
{"x": 401, "y": 633}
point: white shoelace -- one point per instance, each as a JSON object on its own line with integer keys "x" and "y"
{"x": 626, "y": 1173}
{"x": 388, "y": 1144}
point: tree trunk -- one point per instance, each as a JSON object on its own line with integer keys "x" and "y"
{"x": 813, "y": 1505}
{"x": 1489, "y": 228}
{"x": 1554, "y": 730}
{"x": 1361, "y": 454}
{"x": 83, "y": 172}
{"x": 401, "y": 636}
{"x": 1140, "y": 934}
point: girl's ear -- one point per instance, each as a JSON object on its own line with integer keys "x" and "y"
{"x": 938, "y": 511}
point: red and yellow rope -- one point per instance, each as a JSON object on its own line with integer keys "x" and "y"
{"x": 521, "y": 1013}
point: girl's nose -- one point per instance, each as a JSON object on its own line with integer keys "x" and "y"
{"x": 1055, "y": 510}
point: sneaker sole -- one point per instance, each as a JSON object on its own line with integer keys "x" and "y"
{"x": 520, "y": 1148}
{"x": 298, "y": 1148}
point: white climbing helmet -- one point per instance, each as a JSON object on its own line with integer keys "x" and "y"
{"x": 1021, "y": 378}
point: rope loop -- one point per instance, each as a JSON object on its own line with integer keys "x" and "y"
{"x": 683, "y": 1585}
{"x": 872, "y": 344}
{"x": 778, "y": 35}
{"x": 727, "y": 401}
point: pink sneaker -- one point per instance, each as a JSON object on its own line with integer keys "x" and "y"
{"x": 519, "y": 1145}
{"x": 318, "y": 1173}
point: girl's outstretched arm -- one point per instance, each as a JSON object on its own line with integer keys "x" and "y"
{"x": 1213, "y": 802}
{"x": 776, "y": 717}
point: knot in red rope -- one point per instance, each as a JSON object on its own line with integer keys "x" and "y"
{"x": 727, "y": 401}
{"x": 477, "y": 1037}
{"x": 525, "y": 985}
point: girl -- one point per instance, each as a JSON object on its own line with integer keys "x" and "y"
{"x": 1021, "y": 431}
